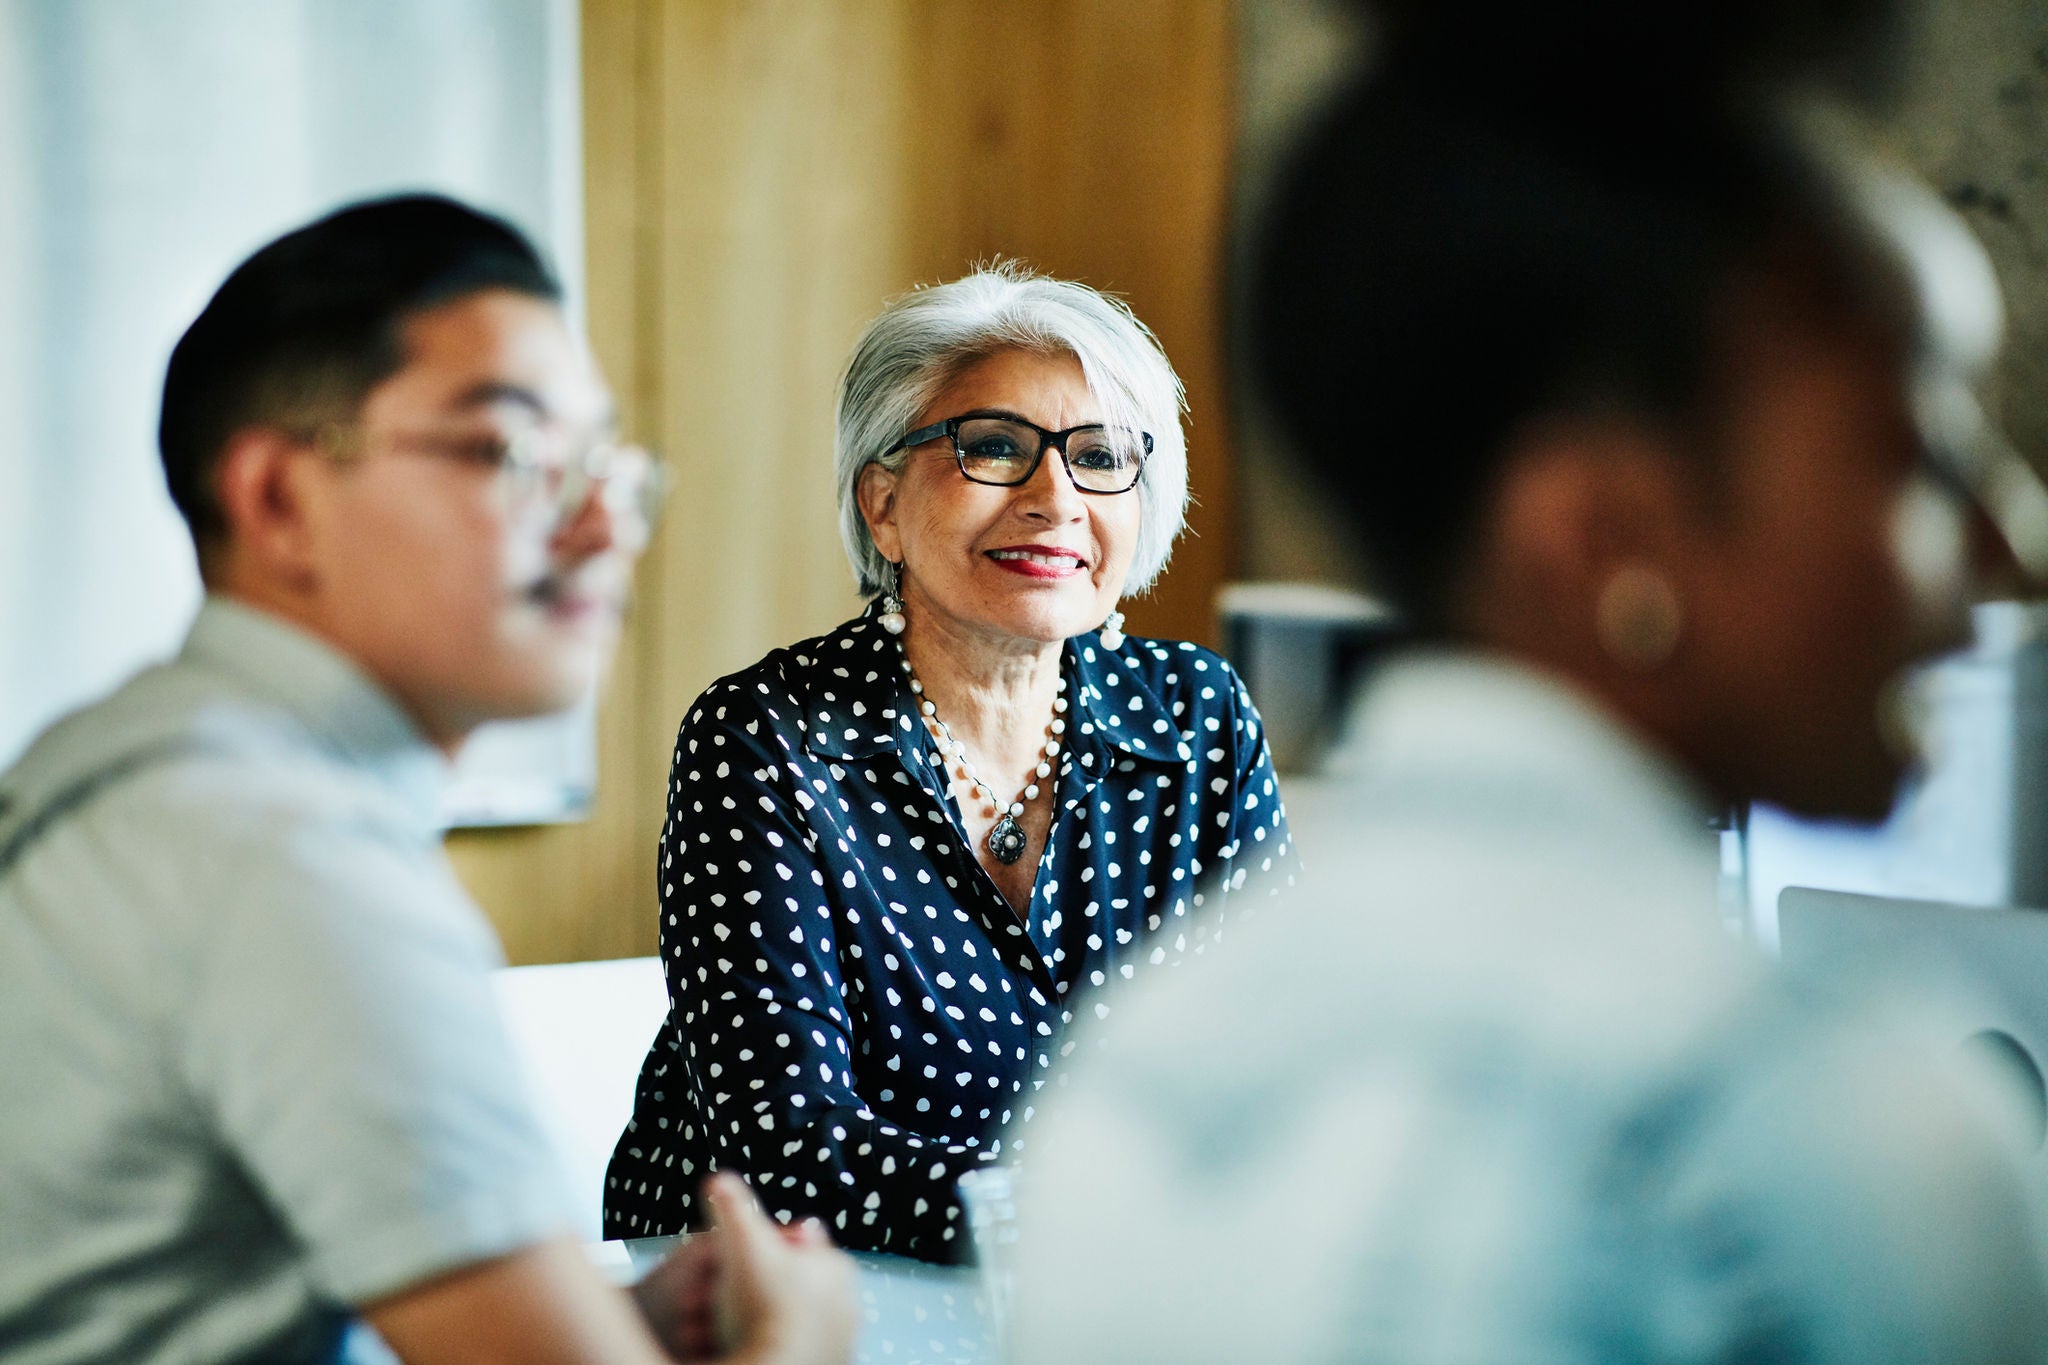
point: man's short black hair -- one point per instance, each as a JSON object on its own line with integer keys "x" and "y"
{"x": 307, "y": 326}
{"x": 1436, "y": 277}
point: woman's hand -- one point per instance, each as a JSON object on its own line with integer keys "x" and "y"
{"x": 751, "y": 1292}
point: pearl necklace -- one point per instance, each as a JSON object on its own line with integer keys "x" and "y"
{"x": 1006, "y": 840}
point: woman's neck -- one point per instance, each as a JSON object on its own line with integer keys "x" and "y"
{"x": 994, "y": 693}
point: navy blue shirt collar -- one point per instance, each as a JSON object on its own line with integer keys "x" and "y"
{"x": 856, "y": 708}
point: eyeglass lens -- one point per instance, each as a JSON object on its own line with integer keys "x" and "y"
{"x": 1100, "y": 459}
{"x": 538, "y": 473}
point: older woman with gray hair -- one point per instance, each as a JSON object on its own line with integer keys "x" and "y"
{"x": 901, "y": 857}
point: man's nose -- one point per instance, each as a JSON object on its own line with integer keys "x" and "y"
{"x": 612, "y": 505}
{"x": 593, "y": 525}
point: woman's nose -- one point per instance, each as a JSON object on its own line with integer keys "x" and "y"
{"x": 1050, "y": 491}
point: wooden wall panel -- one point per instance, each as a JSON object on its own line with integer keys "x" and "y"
{"x": 583, "y": 891}
{"x": 1092, "y": 140}
{"x": 781, "y": 191}
{"x": 761, "y": 175}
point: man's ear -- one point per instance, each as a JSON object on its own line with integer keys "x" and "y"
{"x": 875, "y": 494}
{"x": 260, "y": 485}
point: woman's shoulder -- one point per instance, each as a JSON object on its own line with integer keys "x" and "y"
{"x": 838, "y": 670}
{"x": 1197, "y": 677}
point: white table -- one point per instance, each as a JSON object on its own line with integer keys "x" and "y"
{"x": 916, "y": 1314}
{"x": 581, "y": 1031}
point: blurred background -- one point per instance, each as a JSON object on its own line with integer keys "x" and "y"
{"x": 732, "y": 188}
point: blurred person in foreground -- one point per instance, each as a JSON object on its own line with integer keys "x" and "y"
{"x": 1624, "y": 400}
{"x": 901, "y": 858}
{"x": 252, "y": 1079}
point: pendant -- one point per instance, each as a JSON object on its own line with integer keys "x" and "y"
{"x": 1006, "y": 840}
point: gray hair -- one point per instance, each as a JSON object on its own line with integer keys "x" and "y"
{"x": 923, "y": 339}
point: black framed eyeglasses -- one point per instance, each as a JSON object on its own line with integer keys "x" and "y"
{"x": 1005, "y": 451}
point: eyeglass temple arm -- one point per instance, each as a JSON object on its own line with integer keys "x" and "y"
{"x": 921, "y": 435}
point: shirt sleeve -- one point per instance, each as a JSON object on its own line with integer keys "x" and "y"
{"x": 1256, "y": 859}
{"x": 1859, "y": 1199}
{"x": 344, "y": 1043}
{"x": 751, "y": 924}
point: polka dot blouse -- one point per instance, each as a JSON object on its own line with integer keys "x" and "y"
{"x": 857, "y": 1015}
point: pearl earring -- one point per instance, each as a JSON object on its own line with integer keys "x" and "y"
{"x": 1113, "y": 632}
{"x": 891, "y": 618}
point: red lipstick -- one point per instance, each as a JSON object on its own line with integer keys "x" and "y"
{"x": 1039, "y": 561}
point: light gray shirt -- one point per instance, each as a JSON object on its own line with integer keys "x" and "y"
{"x": 1500, "y": 1088}
{"x": 251, "y": 1071}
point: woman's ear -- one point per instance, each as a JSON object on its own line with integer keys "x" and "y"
{"x": 1577, "y": 500}
{"x": 876, "y": 495}
{"x": 1592, "y": 525}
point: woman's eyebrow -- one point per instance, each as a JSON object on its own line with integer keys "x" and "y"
{"x": 1006, "y": 415}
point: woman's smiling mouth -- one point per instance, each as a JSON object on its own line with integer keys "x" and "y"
{"x": 1039, "y": 561}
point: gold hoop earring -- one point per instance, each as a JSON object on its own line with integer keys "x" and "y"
{"x": 1638, "y": 618}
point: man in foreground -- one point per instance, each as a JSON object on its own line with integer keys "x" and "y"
{"x": 252, "y": 1078}
{"x": 1620, "y": 399}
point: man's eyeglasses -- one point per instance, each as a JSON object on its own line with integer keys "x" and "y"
{"x": 536, "y": 471}
{"x": 1006, "y": 451}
